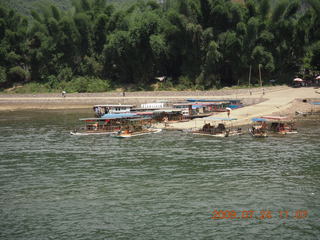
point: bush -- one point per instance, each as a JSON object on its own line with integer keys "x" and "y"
{"x": 65, "y": 74}
{"x": 33, "y": 87}
{"x": 185, "y": 83}
{"x": 86, "y": 84}
{"x": 52, "y": 82}
{"x": 17, "y": 74}
{"x": 3, "y": 75}
{"x": 166, "y": 85}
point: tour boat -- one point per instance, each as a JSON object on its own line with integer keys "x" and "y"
{"x": 128, "y": 134}
{"x": 217, "y": 131}
{"x": 107, "y": 124}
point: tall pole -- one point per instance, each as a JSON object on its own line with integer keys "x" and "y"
{"x": 250, "y": 77}
{"x": 260, "y": 75}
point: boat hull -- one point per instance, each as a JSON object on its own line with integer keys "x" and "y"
{"x": 258, "y": 135}
{"x": 211, "y": 135}
{"x": 128, "y": 135}
{"x": 90, "y": 133}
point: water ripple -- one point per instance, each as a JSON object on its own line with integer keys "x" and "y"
{"x": 162, "y": 186}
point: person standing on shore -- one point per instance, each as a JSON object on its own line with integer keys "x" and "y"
{"x": 228, "y": 111}
{"x": 63, "y": 93}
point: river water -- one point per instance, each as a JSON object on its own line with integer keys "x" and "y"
{"x": 161, "y": 186}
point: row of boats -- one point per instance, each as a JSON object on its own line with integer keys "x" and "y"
{"x": 127, "y": 124}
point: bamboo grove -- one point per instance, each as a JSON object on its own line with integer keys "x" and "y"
{"x": 199, "y": 44}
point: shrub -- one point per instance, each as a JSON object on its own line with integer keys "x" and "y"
{"x": 65, "y": 74}
{"x": 185, "y": 83}
{"x": 166, "y": 85}
{"x": 3, "y": 75}
{"x": 33, "y": 87}
{"x": 17, "y": 74}
{"x": 86, "y": 84}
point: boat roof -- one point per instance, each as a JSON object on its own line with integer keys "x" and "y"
{"x": 167, "y": 110}
{"x": 220, "y": 119}
{"x": 113, "y": 105}
{"x": 258, "y": 120}
{"x": 198, "y": 104}
{"x": 119, "y": 115}
{"x": 213, "y": 100}
{"x": 277, "y": 118}
{"x": 315, "y": 103}
{"x": 146, "y": 109}
{"x": 144, "y": 113}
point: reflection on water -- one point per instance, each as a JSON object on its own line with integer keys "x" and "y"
{"x": 161, "y": 186}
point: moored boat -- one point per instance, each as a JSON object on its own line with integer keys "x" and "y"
{"x": 218, "y": 131}
{"x": 272, "y": 125}
{"x": 281, "y": 125}
{"x": 128, "y": 134}
{"x": 105, "y": 125}
{"x": 259, "y": 129}
{"x": 136, "y": 127}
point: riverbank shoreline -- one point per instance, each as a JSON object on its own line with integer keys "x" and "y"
{"x": 278, "y": 100}
{"x": 11, "y": 102}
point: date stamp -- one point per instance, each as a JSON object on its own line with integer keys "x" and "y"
{"x": 262, "y": 214}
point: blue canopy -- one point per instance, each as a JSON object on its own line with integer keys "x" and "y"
{"x": 219, "y": 119}
{"x": 207, "y": 100}
{"x": 119, "y": 115}
{"x": 197, "y": 106}
{"x": 258, "y": 120}
{"x": 315, "y": 103}
{"x": 234, "y": 106}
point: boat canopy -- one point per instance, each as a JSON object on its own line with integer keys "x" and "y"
{"x": 234, "y": 106}
{"x": 118, "y": 115}
{"x": 210, "y": 100}
{"x": 219, "y": 119}
{"x": 276, "y": 118}
{"x": 258, "y": 120}
{"x": 113, "y": 105}
{"x": 315, "y": 103}
{"x": 195, "y": 106}
{"x": 174, "y": 110}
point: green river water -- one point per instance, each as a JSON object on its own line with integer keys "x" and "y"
{"x": 161, "y": 186}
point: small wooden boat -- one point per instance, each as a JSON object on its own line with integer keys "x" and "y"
{"x": 281, "y": 125}
{"x": 75, "y": 133}
{"x": 109, "y": 124}
{"x": 272, "y": 126}
{"x": 219, "y": 131}
{"x": 223, "y": 134}
{"x": 127, "y": 134}
{"x": 257, "y": 133}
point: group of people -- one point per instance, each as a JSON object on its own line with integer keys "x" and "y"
{"x": 100, "y": 111}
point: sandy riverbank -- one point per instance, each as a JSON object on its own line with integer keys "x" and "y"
{"x": 283, "y": 102}
{"x": 262, "y": 101}
{"x": 10, "y": 102}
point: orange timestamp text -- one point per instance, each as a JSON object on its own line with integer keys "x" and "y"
{"x": 262, "y": 214}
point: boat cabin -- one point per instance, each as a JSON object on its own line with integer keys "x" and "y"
{"x": 107, "y": 122}
{"x": 100, "y": 110}
{"x": 198, "y": 108}
{"x": 274, "y": 124}
{"x": 161, "y": 115}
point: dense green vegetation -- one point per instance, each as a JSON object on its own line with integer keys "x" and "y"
{"x": 197, "y": 44}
